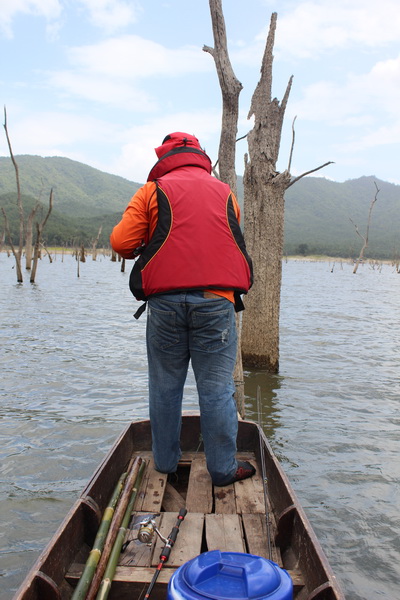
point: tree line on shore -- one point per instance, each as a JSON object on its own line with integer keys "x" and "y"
{"x": 317, "y": 217}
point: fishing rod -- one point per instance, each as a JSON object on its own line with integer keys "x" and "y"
{"x": 264, "y": 475}
{"x": 166, "y": 551}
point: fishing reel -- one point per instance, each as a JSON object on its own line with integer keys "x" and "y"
{"x": 144, "y": 529}
{"x": 147, "y": 529}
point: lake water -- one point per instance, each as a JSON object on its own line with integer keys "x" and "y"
{"x": 73, "y": 372}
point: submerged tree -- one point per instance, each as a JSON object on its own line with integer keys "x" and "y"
{"x": 17, "y": 252}
{"x": 27, "y": 231}
{"x": 230, "y": 89}
{"x": 95, "y": 241}
{"x": 264, "y": 190}
{"x": 39, "y": 231}
{"x": 365, "y": 237}
{"x": 29, "y": 237}
{"x": 264, "y": 207}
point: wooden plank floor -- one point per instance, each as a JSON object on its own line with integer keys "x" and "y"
{"x": 230, "y": 518}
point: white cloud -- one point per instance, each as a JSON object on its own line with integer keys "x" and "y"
{"x": 49, "y": 9}
{"x": 132, "y": 56}
{"x": 117, "y": 93}
{"x": 316, "y": 26}
{"x": 137, "y": 143}
{"x": 108, "y": 15}
{"x": 108, "y": 72}
{"x": 360, "y": 100}
{"x": 111, "y": 15}
{"x": 54, "y": 133}
{"x": 382, "y": 136}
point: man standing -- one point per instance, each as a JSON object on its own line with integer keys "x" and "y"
{"x": 192, "y": 268}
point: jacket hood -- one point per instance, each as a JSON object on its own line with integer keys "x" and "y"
{"x": 177, "y": 150}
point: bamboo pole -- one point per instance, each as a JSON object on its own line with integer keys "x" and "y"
{"x": 98, "y": 545}
{"x": 113, "y": 531}
{"x": 109, "y": 573}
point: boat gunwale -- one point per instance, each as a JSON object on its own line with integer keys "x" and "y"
{"x": 92, "y": 502}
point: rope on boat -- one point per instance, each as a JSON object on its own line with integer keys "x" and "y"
{"x": 264, "y": 474}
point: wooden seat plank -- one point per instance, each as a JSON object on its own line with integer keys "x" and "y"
{"x": 143, "y": 574}
{"x": 199, "y": 495}
{"x": 152, "y": 489}
{"x": 224, "y": 532}
{"x": 224, "y": 499}
{"x": 250, "y": 494}
{"x": 188, "y": 542}
{"x": 255, "y": 530}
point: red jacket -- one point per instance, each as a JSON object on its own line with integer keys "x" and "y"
{"x": 197, "y": 243}
{"x": 188, "y": 222}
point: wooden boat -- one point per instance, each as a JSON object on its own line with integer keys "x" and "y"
{"x": 232, "y": 518}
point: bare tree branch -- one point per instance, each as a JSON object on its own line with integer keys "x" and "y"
{"x": 39, "y": 231}
{"x": 17, "y": 253}
{"x": 366, "y": 236}
{"x": 292, "y": 146}
{"x": 330, "y": 162}
{"x": 230, "y": 89}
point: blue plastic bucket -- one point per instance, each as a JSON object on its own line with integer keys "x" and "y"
{"x": 219, "y": 575}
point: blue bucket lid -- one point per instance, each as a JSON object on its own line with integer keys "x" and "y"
{"x": 230, "y": 576}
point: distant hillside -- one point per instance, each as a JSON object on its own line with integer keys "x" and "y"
{"x": 317, "y": 211}
{"x": 79, "y": 190}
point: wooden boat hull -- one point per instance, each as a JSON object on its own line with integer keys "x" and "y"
{"x": 230, "y": 518}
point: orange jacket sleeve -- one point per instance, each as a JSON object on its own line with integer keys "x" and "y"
{"x": 138, "y": 222}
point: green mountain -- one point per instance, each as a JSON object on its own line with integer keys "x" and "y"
{"x": 78, "y": 189}
{"x": 84, "y": 198}
{"x": 317, "y": 211}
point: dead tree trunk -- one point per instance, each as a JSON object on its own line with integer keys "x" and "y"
{"x": 13, "y": 249}
{"x": 29, "y": 238}
{"x": 264, "y": 193}
{"x": 366, "y": 236}
{"x": 230, "y": 89}
{"x": 17, "y": 252}
{"x": 95, "y": 242}
{"x": 2, "y": 238}
{"x": 264, "y": 208}
{"x": 39, "y": 232}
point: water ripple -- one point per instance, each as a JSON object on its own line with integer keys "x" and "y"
{"x": 74, "y": 372}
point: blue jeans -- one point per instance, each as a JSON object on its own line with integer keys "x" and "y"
{"x": 183, "y": 327}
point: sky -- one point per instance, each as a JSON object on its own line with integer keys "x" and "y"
{"x": 103, "y": 81}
